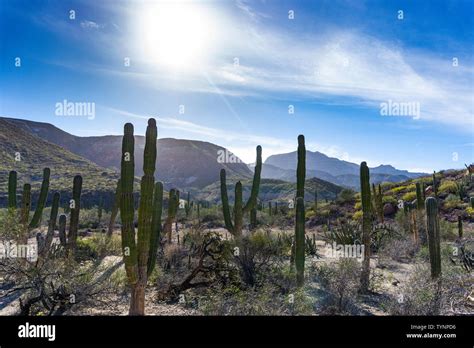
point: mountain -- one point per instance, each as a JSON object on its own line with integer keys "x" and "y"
{"x": 272, "y": 190}
{"x": 339, "y": 172}
{"x": 180, "y": 163}
{"x": 28, "y": 155}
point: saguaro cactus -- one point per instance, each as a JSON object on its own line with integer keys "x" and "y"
{"x": 52, "y": 222}
{"x": 472, "y": 202}
{"x": 460, "y": 232}
{"x": 300, "y": 212}
{"x": 432, "y": 226}
{"x": 115, "y": 208}
{"x": 173, "y": 203}
{"x": 156, "y": 226}
{"x": 75, "y": 206}
{"x": 235, "y": 228}
{"x": 366, "y": 225}
{"x": 420, "y": 203}
{"x": 139, "y": 254}
{"x": 35, "y": 221}
{"x": 12, "y": 184}
{"x": 299, "y": 241}
{"x": 62, "y": 230}
{"x": 25, "y": 212}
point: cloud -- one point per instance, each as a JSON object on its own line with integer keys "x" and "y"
{"x": 90, "y": 25}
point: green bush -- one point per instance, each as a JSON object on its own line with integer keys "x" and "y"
{"x": 409, "y": 196}
{"x": 448, "y": 186}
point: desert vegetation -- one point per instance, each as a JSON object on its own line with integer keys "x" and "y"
{"x": 386, "y": 249}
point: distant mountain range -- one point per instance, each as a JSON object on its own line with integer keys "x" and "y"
{"x": 184, "y": 164}
{"x": 336, "y": 171}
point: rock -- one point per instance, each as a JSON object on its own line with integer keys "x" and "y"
{"x": 389, "y": 209}
{"x": 428, "y": 190}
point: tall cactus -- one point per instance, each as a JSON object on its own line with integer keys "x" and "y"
{"x": 435, "y": 185}
{"x": 300, "y": 212}
{"x": 366, "y": 225}
{"x": 460, "y": 231}
{"x": 432, "y": 226}
{"x": 156, "y": 226}
{"x": 139, "y": 254}
{"x": 115, "y": 208}
{"x": 35, "y": 221}
{"x": 12, "y": 184}
{"x": 52, "y": 222}
{"x": 75, "y": 205}
{"x": 25, "y": 213}
{"x": 253, "y": 218}
{"x": 472, "y": 202}
{"x": 62, "y": 230}
{"x": 187, "y": 206}
{"x": 420, "y": 203}
{"x": 235, "y": 228}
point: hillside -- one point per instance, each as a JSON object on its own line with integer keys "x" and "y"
{"x": 180, "y": 163}
{"x": 36, "y": 153}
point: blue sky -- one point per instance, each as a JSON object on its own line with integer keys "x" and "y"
{"x": 238, "y": 67}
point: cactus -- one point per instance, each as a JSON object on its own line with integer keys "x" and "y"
{"x": 270, "y": 208}
{"x": 199, "y": 213}
{"x": 315, "y": 200}
{"x": 173, "y": 202}
{"x": 52, "y": 222}
{"x": 378, "y": 202}
{"x": 75, "y": 206}
{"x": 472, "y": 202}
{"x": 253, "y": 218}
{"x": 435, "y": 186}
{"x": 156, "y": 226}
{"x": 115, "y": 208}
{"x": 12, "y": 184}
{"x": 420, "y": 203}
{"x": 62, "y": 230}
{"x": 432, "y": 226}
{"x": 187, "y": 206}
{"x": 300, "y": 213}
{"x": 460, "y": 227}
{"x": 366, "y": 224}
{"x": 136, "y": 253}
{"x": 25, "y": 212}
{"x": 35, "y": 221}
{"x": 235, "y": 228}
{"x": 299, "y": 241}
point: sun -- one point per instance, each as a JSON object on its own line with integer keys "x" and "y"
{"x": 176, "y": 35}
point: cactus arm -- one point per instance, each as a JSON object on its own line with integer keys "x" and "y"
{"x": 127, "y": 208}
{"x": 115, "y": 209}
{"x": 74, "y": 218}
{"x": 366, "y": 224}
{"x": 35, "y": 221}
{"x": 238, "y": 211}
{"x": 62, "y": 230}
{"x": 25, "y": 212}
{"x": 156, "y": 226}
{"x": 252, "y": 201}
{"x": 145, "y": 210}
{"x": 12, "y": 185}
{"x": 432, "y": 227}
{"x": 299, "y": 241}
{"x": 225, "y": 203}
{"x": 301, "y": 168}
{"x": 52, "y": 221}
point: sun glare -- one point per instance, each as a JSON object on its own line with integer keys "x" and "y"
{"x": 176, "y": 35}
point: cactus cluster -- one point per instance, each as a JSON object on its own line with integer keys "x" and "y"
{"x": 300, "y": 212}
{"x": 235, "y": 227}
{"x": 139, "y": 251}
{"x": 366, "y": 224}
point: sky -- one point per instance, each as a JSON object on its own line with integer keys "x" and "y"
{"x": 387, "y": 82}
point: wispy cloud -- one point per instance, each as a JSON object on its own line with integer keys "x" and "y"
{"x": 86, "y": 24}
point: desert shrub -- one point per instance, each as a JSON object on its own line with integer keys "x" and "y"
{"x": 389, "y": 199}
{"x": 348, "y": 233}
{"x": 266, "y": 300}
{"x": 451, "y": 201}
{"x": 357, "y": 216}
{"x": 340, "y": 282}
{"x": 398, "y": 249}
{"x": 211, "y": 220}
{"x": 358, "y": 205}
{"x": 346, "y": 195}
{"x": 470, "y": 211}
{"x": 448, "y": 230}
{"x": 409, "y": 196}
{"x": 448, "y": 186}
